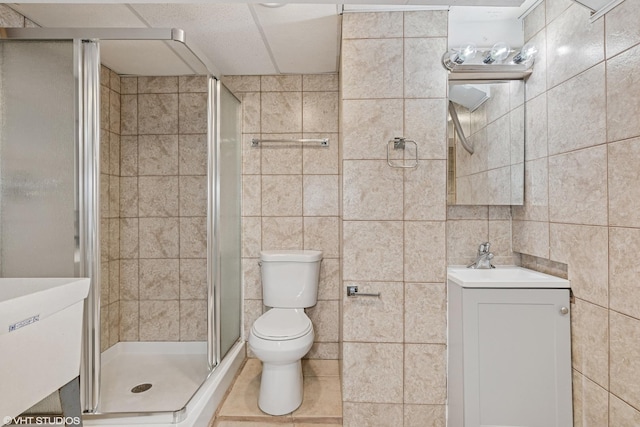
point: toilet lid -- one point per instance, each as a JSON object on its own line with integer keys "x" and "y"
{"x": 282, "y": 324}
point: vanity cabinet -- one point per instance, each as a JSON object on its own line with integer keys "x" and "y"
{"x": 509, "y": 357}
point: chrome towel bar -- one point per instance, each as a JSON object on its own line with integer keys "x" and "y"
{"x": 352, "y": 291}
{"x": 324, "y": 142}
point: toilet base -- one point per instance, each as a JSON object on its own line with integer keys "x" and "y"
{"x": 281, "y": 388}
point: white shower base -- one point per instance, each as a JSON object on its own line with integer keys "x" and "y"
{"x": 175, "y": 370}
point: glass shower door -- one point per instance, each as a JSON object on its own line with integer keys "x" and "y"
{"x": 37, "y": 159}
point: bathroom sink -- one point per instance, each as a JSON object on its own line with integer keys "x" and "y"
{"x": 40, "y": 338}
{"x": 504, "y": 277}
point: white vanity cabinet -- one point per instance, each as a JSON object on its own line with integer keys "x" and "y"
{"x": 509, "y": 355}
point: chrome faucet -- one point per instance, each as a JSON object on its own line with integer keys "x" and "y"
{"x": 483, "y": 258}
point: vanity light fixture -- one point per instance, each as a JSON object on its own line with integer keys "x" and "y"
{"x": 459, "y": 56}
{"x": 499, "y": 52}
{"x": 526, "y": 54}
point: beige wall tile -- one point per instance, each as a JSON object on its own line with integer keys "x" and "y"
{"x": 192, "y": 83}
{"x": 372, "y": 250}
{"x": 537, "y": 82}
{"x": 129, "y": 288}
{"x": 251, "y": 195}
{"x": 237, "y": 84}
{"x": 114, "y": 155}
{"x": 536, "y": 192}
{"x": 128, "y": 85}
{"x": 425, "y": 313}
{"x": 281, "y": 195}
{"x": 129, "y": 320}
{"x": 114, "y": 196}
{"x": 167, "y": 84}
{"x": 425, "y": 379}
{"x": 158, "y": 154}
{"x": 114, "y": 323}
{"x": 321, "y": 160}
{"x": 114, "y": 281}
{"x": 590, "y": 341}
{"x": 622, "y": 414}
{"x": 500, "y": 238}
{"x": 159, "y": 237}
{"x": 424, "y": 76}
{"x": 251, "y": 278}
{"x": 159, "y": 321}
{"x": 590, "y": 403}
{"x": 251, "y": 107}
{"x": 371, "y": 414}
{"x": 129, "y": 156}
{"x": 499, "y": 146}
{"x": 372, "y": 25}
{"x": 252, "y": 310}
{"x": 193, "y": 278}
{"x": 536, "y": 128}
{"x": 320, "y": 112}
{"x": 193, "y": 154}
{"x": 251, "y": 236}
{"x": 374, "y": 319}
{"x": 192, "y": 113}
{"x": 281, "y": 112}
{"x": 367, "y": 126}
{"x": 425, "y": 122}
{"x": 623, "y": 177}
{"x": 324, "y": 351}
{"x": 329, "y": 287}
{"x": 320, "y": 82}
{"x": 281, "y": 83}
{"x": 463, "y": 238}
{"x": 158, "y": 196}
{"x": 281, "y": 158}
{"x": 534, "y": 21}
{"x": 321, "y": 195}
{"x": 624, "y": 294}
{"x": 370, "y": 68}
{"x": 432, "y": 23}
{"x": 129, "y": 114}
{"x": 620, "y": 31}
{"x": 159, "y": 279}
{"x": 425, "y": 191}
{"x": 421, "y": 262}
{"x": 370, "y": 191}
{"x": 114, "y": 112}
{"x": 129, "y": 229}
{"x": 326, "y": 323}
{"x": 624, "y": 356}
{"x": 578, "y": 246}
{"x": 372, "y": 372}
{"x": 157, "y": 114}
{"x": 105, "y": 107}
{"x": 425, "y": 415}
{"x": 193, "y": 237}
{"x": 193, "y": 320}
{"x": 193, "y": 195}
{"x": 568, "y": 130}
{"x": 531, "y": 237}
{"x": 572, "y": 31}
{"x": 516, "y": 127}
{"x": 282, "y": 233}
{"x": 623, "y": 90}
{"x": 322, "y": 233}
{"x": 467, "y": 212}
{"x": 578, "y": 179}
{"x": 555, "y": 7}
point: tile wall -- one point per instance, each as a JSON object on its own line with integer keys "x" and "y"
{"x": 162, "y": 208}
{"x": 109, "y": 207}
{"x": 290, "y": 192}
{"x": 581, "y": 201}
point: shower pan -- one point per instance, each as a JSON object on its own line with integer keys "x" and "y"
{"x": 57, "y": 219}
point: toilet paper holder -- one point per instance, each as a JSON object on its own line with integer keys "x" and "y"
{"x": 352, "y": 291}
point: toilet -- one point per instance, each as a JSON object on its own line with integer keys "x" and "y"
{"x": 284, "y": 334}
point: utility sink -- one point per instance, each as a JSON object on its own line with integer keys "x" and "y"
{"x": 504, "y": 277}
{"x": 40, "y": 338}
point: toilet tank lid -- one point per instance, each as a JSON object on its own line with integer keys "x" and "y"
{"x": 291, "y": 256}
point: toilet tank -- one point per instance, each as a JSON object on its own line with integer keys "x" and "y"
{"x": 290, "y": 278}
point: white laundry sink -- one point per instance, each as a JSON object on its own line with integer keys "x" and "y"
{"x": 504, "y": 277}
{"x": 40, "y": 338}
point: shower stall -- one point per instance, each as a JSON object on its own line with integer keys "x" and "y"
{"x": 126, "y": 170}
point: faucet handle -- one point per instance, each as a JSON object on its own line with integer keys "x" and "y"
{"x": 484, "y": 248}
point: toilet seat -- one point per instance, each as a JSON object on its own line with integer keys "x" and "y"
{"x": 281, "y": 324}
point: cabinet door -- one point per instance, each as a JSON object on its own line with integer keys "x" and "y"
{"x": 517, "y": 358}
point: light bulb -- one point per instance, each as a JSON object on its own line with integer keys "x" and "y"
{"x": 498, "y": 52}
{"x": 526, "y": 54}
{"x": 464, "y": 53}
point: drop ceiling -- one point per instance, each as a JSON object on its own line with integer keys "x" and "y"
{"x": 237, "y": 38}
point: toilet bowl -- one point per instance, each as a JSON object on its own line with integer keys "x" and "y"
{"x": 284, "y": 334}
{"x": 280, "y": 344}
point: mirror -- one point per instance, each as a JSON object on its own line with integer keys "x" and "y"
{"x": 486, "y": 143}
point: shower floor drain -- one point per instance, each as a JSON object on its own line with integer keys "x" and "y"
{"x": 140, "y": 388}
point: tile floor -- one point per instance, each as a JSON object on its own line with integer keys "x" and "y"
{"x": 321, "y": 407}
